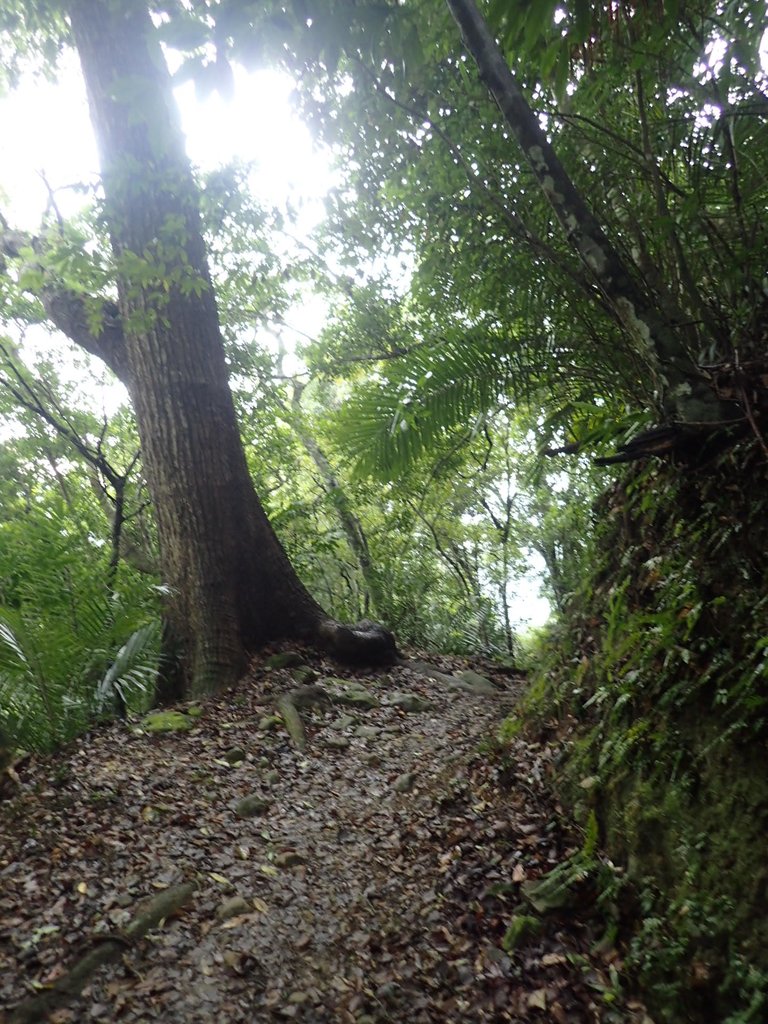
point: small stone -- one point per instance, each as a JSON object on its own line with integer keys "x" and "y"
{"x": 232, "y": 907}
{"x": 289, "y": 859}
{"x": 389, "y": 992}
{"x": 415, "y": 741}
{"x": 250, "y": 806}
{"x": 367, "y": 732}
{"x": 308, "y": 696}
{"x": 343, "y": 722}
{"x": 297, "y": 998}
{"x": 336, "y": 742}
{"x": 353, "y": 696}
{"x": 359, "y": 699}
{"x": 405, "y": 782}
{"x": 423, "y": 668}
{"x": 409, "y": 702}
{"x": 287, "y": 659}
{"x": 473, "y": 682}
{"x": 304, "y": 674}
{"x": 167, "y": 721}
{"x": 373, "y": 759}
{"x": 269, "y": 723}
{"x": 234, "y": 755}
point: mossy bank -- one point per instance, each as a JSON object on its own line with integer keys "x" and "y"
{"x": 656, "y": 677}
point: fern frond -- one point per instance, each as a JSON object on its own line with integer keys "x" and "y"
{"x": 440, "y": 389}
{"x": 134, "y": 668}
{"x": 25, "y": 689}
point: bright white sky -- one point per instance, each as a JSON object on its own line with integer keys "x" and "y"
{"x": 47, "y": 133}
{"x": 46, "y": 128}
{"x": 50, "y": 139}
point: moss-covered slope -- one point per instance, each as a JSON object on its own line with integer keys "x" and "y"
{"x": 658, "y": 677}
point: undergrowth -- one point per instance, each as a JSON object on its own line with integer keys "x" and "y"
{"x": 655, "y": 679}
{"x": 73, "y": 649}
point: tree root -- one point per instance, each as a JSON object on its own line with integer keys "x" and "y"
{"x": 293, "y": 722}
{"x": 107, "y": 949}
{"x": 289, "y": 705}
{"x": 365, "y": 643}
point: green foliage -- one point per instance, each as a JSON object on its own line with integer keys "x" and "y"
{"x": 436, "y": 398}
{"x": 32, "y": 33}
{"x": 131, "y": 676}
{"x": 72, "y": 645}
{"x": 49, "y": 694}
{"x": 657, "y": 676}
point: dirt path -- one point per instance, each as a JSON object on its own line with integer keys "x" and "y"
{"x": 370, "y": 879}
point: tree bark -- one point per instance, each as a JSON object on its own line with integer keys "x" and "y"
{"x": 232, "y": 587}
{"x": 687, "y": 393}
{"x": 350, "y": 524}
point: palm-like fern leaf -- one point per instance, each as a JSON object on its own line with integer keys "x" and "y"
{"x": 393, "y": 419}
{"x": 134, "y": 666}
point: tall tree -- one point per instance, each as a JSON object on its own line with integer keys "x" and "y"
{"x": 231, "y": 585}
{"x": 688, "y": 393}
{"x": 627, "y": 223}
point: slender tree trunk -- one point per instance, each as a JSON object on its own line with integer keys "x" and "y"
{"x": 231, "y": 585}
{"x": 350, "y": 524}
{"x": 687, "y": 394}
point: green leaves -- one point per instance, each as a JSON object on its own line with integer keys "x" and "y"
{"x": 133, "y": 670}
{"x": 443, "y": 388}
{"x": 74, "y": 629}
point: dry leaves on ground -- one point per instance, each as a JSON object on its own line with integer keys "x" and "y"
{"x": 373, "y": 878}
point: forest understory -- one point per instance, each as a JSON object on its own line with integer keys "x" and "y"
{"x": 387, "y": 872}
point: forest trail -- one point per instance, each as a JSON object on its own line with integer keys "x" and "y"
{"x": 370, "y": 878}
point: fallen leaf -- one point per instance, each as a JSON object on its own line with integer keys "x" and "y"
{"x": 219, "y": 878}
{"x": 553, "y": 959}
{"x": 537, "y": 1000}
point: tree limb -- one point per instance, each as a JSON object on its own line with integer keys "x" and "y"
{"x": 68, "y": 312}
{"x": 688, "y": 392}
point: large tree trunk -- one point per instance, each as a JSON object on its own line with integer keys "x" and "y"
{"x": 231, "y": 585}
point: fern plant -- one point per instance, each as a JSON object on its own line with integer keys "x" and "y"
{"x": 50, "y": 692}
{"x": 69, "y": 646}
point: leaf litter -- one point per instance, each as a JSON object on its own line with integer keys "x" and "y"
{"x": 375, "y": 880}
